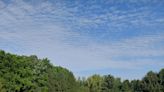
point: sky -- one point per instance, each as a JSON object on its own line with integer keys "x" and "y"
{"x": 124, "y": 38}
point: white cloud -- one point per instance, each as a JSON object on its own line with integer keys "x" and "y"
{"x": 47, "y": 31}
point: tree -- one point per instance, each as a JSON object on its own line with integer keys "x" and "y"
{"x": 111, "y": 84}
{"x": 126, "y": 86}
{"x": 161, "y": 80}
{"x": 61, "y": 80}
{"x": 136, "y": 86}
{"x": 94, "y": 83}
{"x": 151, "y": 82}
{"x": 30, "y": 74}
{"x": 2, "y": 89}
{"x": 82, "y": 85}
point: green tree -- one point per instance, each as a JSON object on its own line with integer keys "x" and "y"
{"x": 151, "y": 82}
{"x": 126, "y": 86}
{"x": 111, "y": 84}
{"x": 2, "y": 89}
{"x": 82, "y": 85}
{"x": 161, "y": 80}
{"x": 30, "y": 74}
{"x": 61, "y": 80}
{"x": 136, "y": 86}
{"x": 94, "y": 83}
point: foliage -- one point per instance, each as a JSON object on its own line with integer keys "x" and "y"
{"x": 94, "y": 83}
{"x": 30, "y": 74}
{"x": 110, "y": 84}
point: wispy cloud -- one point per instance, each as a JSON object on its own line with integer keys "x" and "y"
{"x": 93, "y": 36}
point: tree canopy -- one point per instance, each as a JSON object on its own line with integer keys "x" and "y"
{"x": 31, "y": 74}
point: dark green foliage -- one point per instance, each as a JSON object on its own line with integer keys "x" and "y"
{"x": 126, "y": 86}
{"x": 136, "y": 86}
{"x": 151, "y": 82}
{"x": 30, "y": 74}
{"x": 161, "y": 80}
{"x": 2, "y": 89}
{"x": 61, "y": 80}
{"x": 110, "y": 84}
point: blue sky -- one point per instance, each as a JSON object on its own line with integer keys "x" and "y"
{"x": 124, "y": 38}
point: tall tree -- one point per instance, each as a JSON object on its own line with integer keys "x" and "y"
{"x": 110, "y": 84}
{"x": 94, "y": 83}
{"x": 151, "y": 82}
{"x": 136, "y": 86}
{"x": 126, "y": 86}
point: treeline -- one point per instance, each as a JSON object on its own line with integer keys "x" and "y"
{"x": 152, "y": 82}
{"x": 30, "y": 74}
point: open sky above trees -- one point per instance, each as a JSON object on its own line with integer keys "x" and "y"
{"x": 124, "y": 38}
